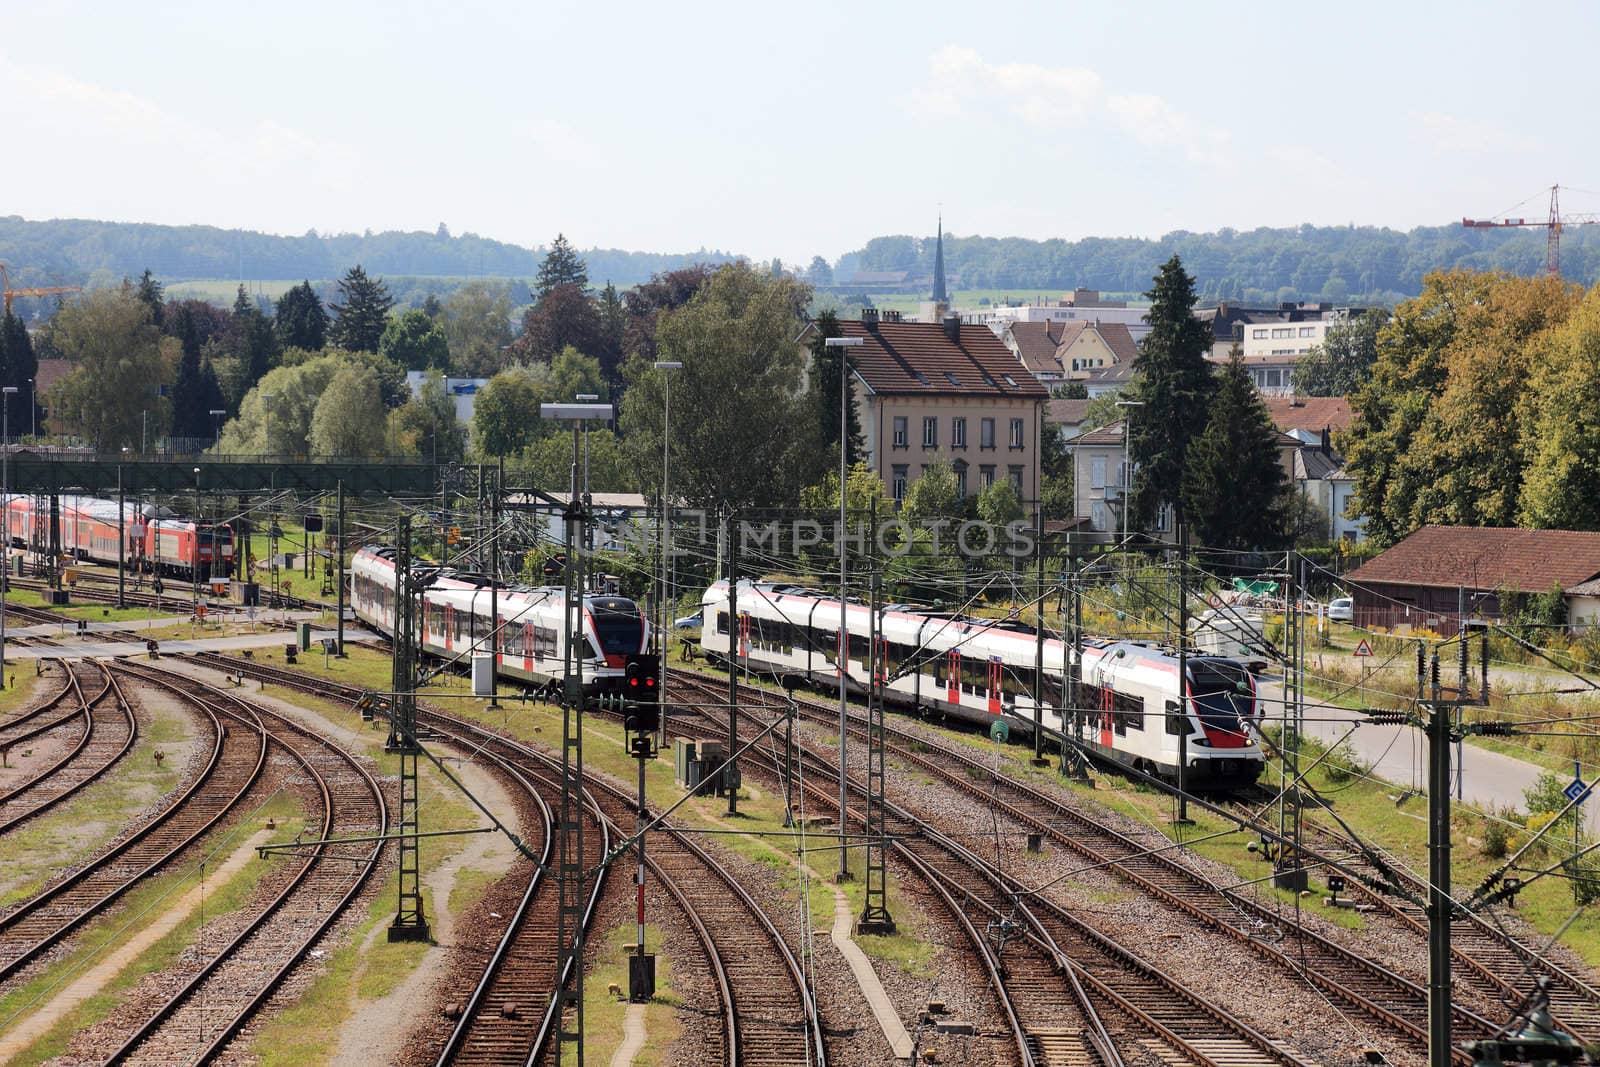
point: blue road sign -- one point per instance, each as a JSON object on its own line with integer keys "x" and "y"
{"x": 1577, "y": 789}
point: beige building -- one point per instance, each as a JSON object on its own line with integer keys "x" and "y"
{"x": 944, "y": 391}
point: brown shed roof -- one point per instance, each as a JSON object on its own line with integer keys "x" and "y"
{"x": 919, "y": 357}
{"x": 1066, "y": 412}
{"x": 1487, "y": 557}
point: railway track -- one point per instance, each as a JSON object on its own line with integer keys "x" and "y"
{"x": 110, "y": 729}
{"x": 34, "y": 926}
{"x": 1052, "y": 968}
{"x": 30, "y": 723}
{"x": 768, "y": 1013}
{"x": 1364, "y": 985}
{"x": 200, "y": 1019}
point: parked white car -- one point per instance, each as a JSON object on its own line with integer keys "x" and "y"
{"x": 1341, "y": 609}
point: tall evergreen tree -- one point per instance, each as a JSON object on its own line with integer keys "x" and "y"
{"x": 1173, "y": 384}
{"x": 613, "y": 328}
{"x": 825, "y": 364}
{"x": 149, "y": 292}
{"x": 562, "y": 266}
{"x": 363, "y": 313}
{"x": 188, "y": 417}
{"x": 18, "y": 366}
{"x": 301, "y": 320}
{"x": 252, "y": 341}
{"x": 1235, "y": 492}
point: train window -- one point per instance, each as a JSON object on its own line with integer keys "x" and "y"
{"x": 1174, "y": 719}
{"x": 722, "y": 622}
{"x": 1127, "y": 712}
{"x": 1221, "y": 693}
{"x": 858, "y": 646}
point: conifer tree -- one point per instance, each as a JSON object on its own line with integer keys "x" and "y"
{"x": 825, "y": 364}
{"x": 1173, "y": 384}
{"x": 18, "y": 365}
{"x": 363, "y": 313}
{"x": 562, "y": 266}
{"x": 1235, "y": 491}
{"x": 149, "y": 292}
{"x": 301, "y": 320}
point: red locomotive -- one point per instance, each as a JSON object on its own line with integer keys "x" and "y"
{"x": 157, "y": 542}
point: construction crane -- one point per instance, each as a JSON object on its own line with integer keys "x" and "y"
{"x": 6, "y": 292}
{"x": 1552, "y": 227}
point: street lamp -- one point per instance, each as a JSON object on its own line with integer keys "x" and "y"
{"x": 1127, "y": 462}
{"x": 33, "y": 408}
{"x": 5, "y": 503}
{"x": 216, "y": 423}
{"x": 665, "y": 366}
{"x": 266, "y": 422}
{"x": 843, "y": 343}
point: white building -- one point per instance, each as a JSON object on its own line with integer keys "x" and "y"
{"x": 463, "y": 391}
{"x": 1083, "y": 305}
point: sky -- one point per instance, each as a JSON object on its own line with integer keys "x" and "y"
{"x": 791, "y": 130}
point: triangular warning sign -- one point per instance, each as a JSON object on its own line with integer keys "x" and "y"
{"x": 1363, "y": 649}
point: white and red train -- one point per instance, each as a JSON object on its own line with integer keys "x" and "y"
{"x": 156, "y": 541}
{"x": 1127, "y": 707}
{"x": 528, "y": 636}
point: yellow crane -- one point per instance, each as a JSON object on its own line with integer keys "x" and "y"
{"x": 6, "y": 292}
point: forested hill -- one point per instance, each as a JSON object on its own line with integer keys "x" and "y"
{"x": 82, "y": 251}
{"x": 1258, "y": 266}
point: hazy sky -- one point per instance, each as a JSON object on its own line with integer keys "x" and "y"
{"x": 790, "y": 129}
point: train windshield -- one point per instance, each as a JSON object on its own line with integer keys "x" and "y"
{"x": 618, "y": 625}
{"x": 1221, "y": 692}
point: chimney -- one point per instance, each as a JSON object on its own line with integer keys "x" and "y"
{"x": 1327, "y": 441}
{"x": 869, "y": 317}
{"x": 952, "y": 328}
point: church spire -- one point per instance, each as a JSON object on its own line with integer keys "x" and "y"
{"x": 940, "y": 296}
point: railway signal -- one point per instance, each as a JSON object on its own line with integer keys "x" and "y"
{"x": 639, "y": 693}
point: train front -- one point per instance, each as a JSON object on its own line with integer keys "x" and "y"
{"x": 1227, "y": 755}
{"x": 615, "y": 629}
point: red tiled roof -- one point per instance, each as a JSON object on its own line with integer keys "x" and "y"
{"x": 1487, "y": 557}
{"x": 919, "y": 357}
{"x": 1036, "y": 345}
{"x": 1118, "y": 339}
{"x": 1314, "y": 413}
{"x": 1068, "y": 412}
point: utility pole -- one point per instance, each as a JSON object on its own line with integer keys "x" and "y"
{"x": 122, "y": 541}
{"x": 569, "y": 916}
{"x": 1289, "y": 871}
{"x": 1183, "y": 669}
{"x": 1038, "y": 638}
{"x": 496, "y": 641}
{"x": 730, "y": 773}
{"x": 410, "y": 924}
{"x": 338, "y": 567}
{"x": 875, "y": 917}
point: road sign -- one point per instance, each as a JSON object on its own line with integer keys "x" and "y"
{"x": 1577, "y": 789}
{"x": 1363, "y": 649}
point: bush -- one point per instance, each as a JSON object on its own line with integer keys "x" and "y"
{"x": 1496, "y": 838}
{"x": 1343, "y": 764}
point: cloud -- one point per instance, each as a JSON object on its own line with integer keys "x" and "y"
{"x": 962, "y": 85}
{"x": 1455, "y": 135}
{"x": 99, "y": 118}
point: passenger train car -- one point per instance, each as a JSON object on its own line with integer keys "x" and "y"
{"x": 155, "y": 540}
{"x": 978, "y": 670}
{"x": 456, "y": 622}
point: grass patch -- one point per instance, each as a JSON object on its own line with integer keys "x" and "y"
{"x": 604, "y": 1014}
{"x": 360, "y": 971}
{"x": 36, "y": 851}
{"x": 140, "y": 908}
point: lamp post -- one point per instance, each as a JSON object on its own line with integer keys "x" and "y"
{"x": 586, "y": 398}
{"x": 33, "y": 408}
{"x": 1127, "y": 463}
{"x": 843, "y": 343}
{"x": 216, "y": 426}
{"x": 194, "y": 571}
{"x": 5, "y": 502}
{"x": 266, "y": 422}
{"x": 665, "y": 366}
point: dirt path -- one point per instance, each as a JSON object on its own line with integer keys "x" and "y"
{"x": 93, "y": 980}
{"x": 371, "y": 1035}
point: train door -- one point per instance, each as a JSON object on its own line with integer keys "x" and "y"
{"x": 744, "y": 634}
{"x": 449, "y": 625}
{"x": 527, "y": 646}
{"x": 994, "y": 685}
{"x": 1106, "y": 717}
{"x": 952, "y": 676}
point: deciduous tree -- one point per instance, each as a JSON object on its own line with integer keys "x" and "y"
{"x": 1561, "y": 433}
{"x": 505, "y": 413}
{"x": 566, "y": 316}
{"x": 477, "y": 327}
{"x": 1343, "y": 362}
{"x": 362, "y": 310}
{"x": 549, "y": 463}
{"x": 416, "y": 342}
{"x": 118, "y": 368}
{"x": 645, "y": 303}
{"x": 426, "y": 425}
{"x": 349, "y": 417}
{"x": 737, "y": 392}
